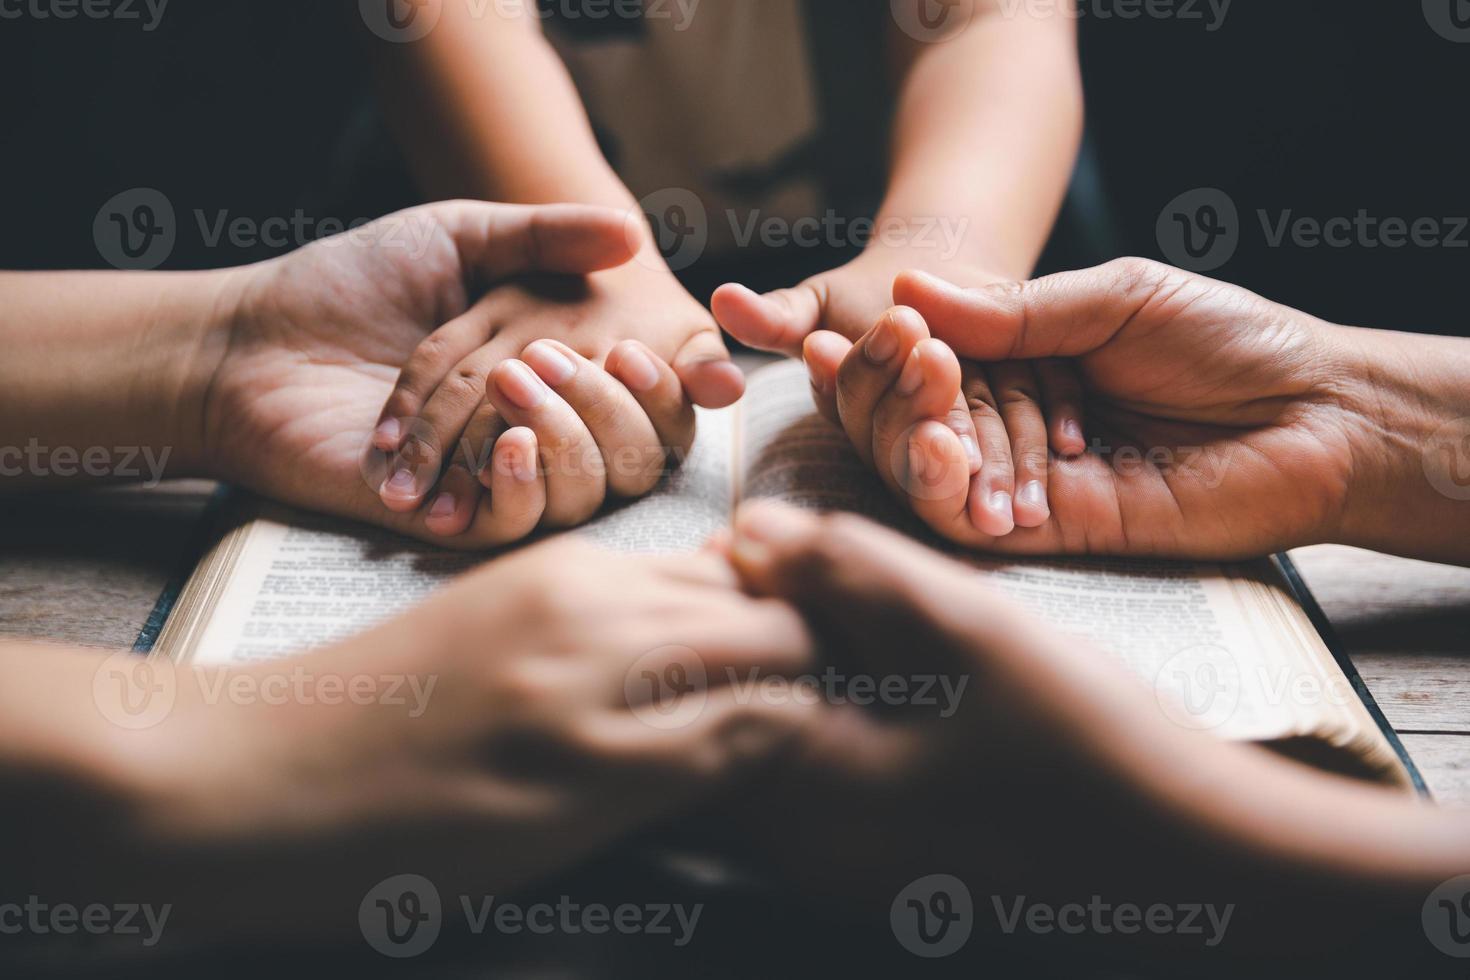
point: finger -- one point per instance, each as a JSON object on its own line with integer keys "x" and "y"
{"x": 1066, "y": 315}
{"x": 657, "y": 389}
{"x": 824, "y": 352}
{"x": 871, "y": 369}
{"x": 439, "y": 432}
{"x": 779, "y": 321}
{"x": 476, "y": 447}
{"x": 453, "y": 506}
{"x": 1016, "y": 394}
{"x": 917, "y": 449}
{"x": 503, "y": 240}
{"x": 719, "y": 637}
{"x": 576, "y": 483}
{"x": 709, "y": 376}
{"x": 1061, "y": 400}
{"x": 869, "y": 586}
{"x": 517, "y": 499}
{"x": 717, "y": 736}
{"x": 426, "y": 369}
{"x": 632, "y": 455}
{"x": 992, "y": 491}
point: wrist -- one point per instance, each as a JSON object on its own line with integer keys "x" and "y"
{"x": 1408, "y": 397}
{"x": 183, "y": 350}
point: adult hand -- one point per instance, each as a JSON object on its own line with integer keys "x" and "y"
{"x": 1054, "y": 776}
{"x": 1004, "y": 415}
{"x": 501, "y": 732}
{"x": 1221, "y": 425}
{"x": 309, "y": 354}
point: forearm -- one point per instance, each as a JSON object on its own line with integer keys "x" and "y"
{"x": 1408, "y": 397}
{"x": 987, "y": 131}
{"x": 485, "y": 109}
{"x": 104, "y": 374}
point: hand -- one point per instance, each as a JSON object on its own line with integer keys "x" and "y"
{"x": 300, "y": 368}
{"x": 1004, "y": 416}
{"x": 1047, "y": 770}
{"x": 1224, "y": 426}
{"x": 630, "y": 320}
{"x": 1018, "y": 709}
{"x": 501, "y": 733}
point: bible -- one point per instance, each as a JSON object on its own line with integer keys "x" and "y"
{"x": 1226, "y": 647}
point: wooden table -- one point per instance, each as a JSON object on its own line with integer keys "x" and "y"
{"x": 87, "y": 570}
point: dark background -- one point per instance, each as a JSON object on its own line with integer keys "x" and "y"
{"x": 1322, "y": 108}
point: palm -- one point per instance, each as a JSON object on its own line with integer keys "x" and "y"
{"x": 306, "y": 374}
{"x": 1210, "y": 431}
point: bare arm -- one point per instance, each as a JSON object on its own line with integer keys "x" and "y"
{"x": 989, "y": 122}
{"x": 105, "y": 373}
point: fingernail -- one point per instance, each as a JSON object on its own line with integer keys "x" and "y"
{"x": 522, "y": 468}
{"x": 401, "y": 482}
{"x": 818, "y": 381}
{"x": 522, "y": 386}
{"x": 1033, "y": 496}
{"x": 882, "y": 343}
{"x": 637, "y": 369}
{"x": 444, "y": 506}
{"x": 389, "y": 432}
{"x": 553, "y": 366}
{"x": 972, "y": 453}
{"x": 1072, "y": 429}
{"x": 1000, "y": 504}
{"x": 912, "y": 376}
{"x": 918, "y": 464}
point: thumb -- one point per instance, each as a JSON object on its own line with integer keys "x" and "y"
{"x": 708, "y": 374}
{"x": 778, "y": 321}
{"x": 1070, "y": 314}
{"x": 887, "y": 596}
{"x": 502, "y": 240}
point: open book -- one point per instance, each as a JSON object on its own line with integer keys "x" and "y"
{"x": 1225, "y": 647}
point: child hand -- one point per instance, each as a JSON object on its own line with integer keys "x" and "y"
{"x": 846, "y": 302}
{"x": 908, "y": 405}
{"x": 442, "y": 390}
{"x": 580, "y": 434}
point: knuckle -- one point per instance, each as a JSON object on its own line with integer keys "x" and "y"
{"x": 1133, "y": 273}
{"x": 1033, "y": 460}
{"x": 1019, "y": 395}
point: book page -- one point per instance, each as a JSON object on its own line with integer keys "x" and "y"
{"x": 1183, "y": 628}
{"x": 300, "y": 581}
